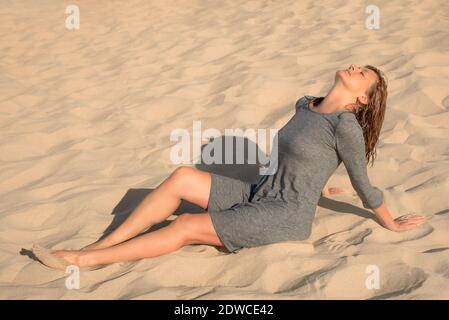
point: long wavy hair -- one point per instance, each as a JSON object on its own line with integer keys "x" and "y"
{"x": 370, "y": 116}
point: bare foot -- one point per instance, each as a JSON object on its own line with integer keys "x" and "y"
{"x": 61, "y": 259}
{"x": 71, "y": 256}
{"x": 96, "y": 246}
{"x": 92, "y": 246}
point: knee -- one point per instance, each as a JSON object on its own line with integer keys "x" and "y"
{"x": 195, "y": 229}
{"x": 183, "y": 219}
{"x": 184, "y": 226}
{"x": 181, "y": 174}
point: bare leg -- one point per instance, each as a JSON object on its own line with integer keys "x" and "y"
{"x": 186, "y": 229}
{"x": 185, "y": 183}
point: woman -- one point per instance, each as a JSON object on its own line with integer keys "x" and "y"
{"x": 343, "y": 127}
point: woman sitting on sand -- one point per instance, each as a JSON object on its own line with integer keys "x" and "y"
{"x": 344, "y": 126}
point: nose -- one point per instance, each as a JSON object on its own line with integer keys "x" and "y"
{"x": 353, "y": 67}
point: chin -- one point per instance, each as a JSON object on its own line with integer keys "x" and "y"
{"x": 339, "y": 75}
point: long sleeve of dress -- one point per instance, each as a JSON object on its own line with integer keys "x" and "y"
{"x": 298, "y": 103}
{"x": 350, "y": 146}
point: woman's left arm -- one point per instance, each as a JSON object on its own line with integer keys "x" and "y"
{"x": 351, "y": 148}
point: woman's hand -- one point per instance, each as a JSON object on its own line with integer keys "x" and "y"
{"x": 331, "y": 191}
{"x": 406, "y": 222}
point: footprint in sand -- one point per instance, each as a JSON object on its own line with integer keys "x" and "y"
{"x": 341, "y": 240}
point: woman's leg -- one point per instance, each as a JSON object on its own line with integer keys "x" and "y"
{"x": 184, "y": 230}
{"x": 186, "y": 183}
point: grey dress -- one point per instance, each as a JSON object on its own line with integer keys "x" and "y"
{"x": 281, "y": 207}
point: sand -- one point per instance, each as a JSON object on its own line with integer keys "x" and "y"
{"x": 86, "y": 116}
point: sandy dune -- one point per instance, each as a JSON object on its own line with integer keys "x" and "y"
{"x": 86, "y": 116}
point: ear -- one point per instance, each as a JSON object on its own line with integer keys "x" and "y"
{"x": 363, "y": 99}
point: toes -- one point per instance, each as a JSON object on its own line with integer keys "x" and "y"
{"x": 46, "y": 256}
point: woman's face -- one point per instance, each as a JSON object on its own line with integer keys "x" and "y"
{"x": 357, "y": 80}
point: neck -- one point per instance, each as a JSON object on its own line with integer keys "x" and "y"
{"x": 336, "y": 100}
